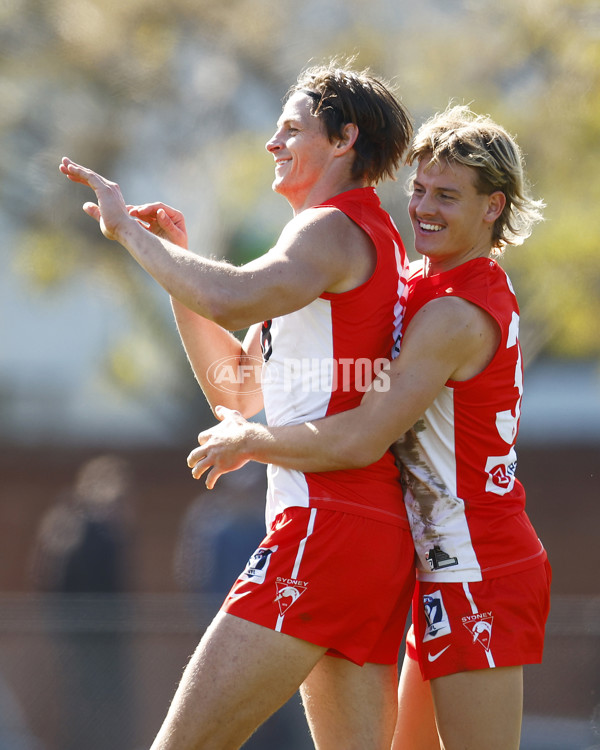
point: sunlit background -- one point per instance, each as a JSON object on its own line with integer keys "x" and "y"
{"x": 113, "y": 558}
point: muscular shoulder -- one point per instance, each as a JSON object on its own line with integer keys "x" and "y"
{"x": 458, "y": 330}
{"x": 320, "y": 222}
{"x": 330, "y": 237}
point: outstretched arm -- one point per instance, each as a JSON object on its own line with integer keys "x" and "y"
{"x": 448, "y": 338}
{"x": 316, "y": 252}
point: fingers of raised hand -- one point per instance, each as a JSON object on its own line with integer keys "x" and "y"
{"x": 164, "y": 219}
{"x": 72, "y": 171}
{"x": 174, "y": 215}
{"x": 79, "y": 173}
{"x": 145, "y": 211}
{"x": 91, "y": 209}
{"x": 144, "y": 216}
{"x": 161, "y": 220}
{"x": 108, "y": 193}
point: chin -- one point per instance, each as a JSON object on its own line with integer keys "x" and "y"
{"x": 421, "y": 248}
{"x": 277, "y": 187}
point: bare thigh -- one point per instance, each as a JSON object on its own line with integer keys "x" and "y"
{"x": 239, "y": 675}
{"x": 480, "y": 709}
{"x": 350, "y": 707}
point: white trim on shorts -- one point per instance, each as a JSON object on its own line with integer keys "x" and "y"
{"x": 299, "y": 555}
{"x": 475, "y": 611}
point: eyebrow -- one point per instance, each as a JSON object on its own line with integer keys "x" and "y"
{"x": 288, "y": 121}
{"x": 439, "y": 189}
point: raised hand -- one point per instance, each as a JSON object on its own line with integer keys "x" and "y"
{"x": 110, "y": 211}
{"x": 162, "y": 220}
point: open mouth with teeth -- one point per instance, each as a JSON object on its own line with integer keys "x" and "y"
{"x": 429, "y": 227}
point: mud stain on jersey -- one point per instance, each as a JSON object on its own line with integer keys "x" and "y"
{"x": 429, "y": 502}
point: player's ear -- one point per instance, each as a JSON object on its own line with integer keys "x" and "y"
{"x": 496, "y": 203}
{"x": 348, "y": 139}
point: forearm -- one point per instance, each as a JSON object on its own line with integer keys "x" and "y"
{"x": 214, "y": 354}
{"x": 309, "y": 257}
{"x": 431, "y": 348}
{"x": 348, "y": 440}
{"x": 330, "y": 444}
{"x": 233, "y": 297}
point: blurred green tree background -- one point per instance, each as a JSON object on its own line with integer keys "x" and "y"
{"x": 176, "y": 100}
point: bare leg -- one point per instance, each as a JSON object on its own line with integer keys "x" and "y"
{"x": 350, "y": 707}
{"x": 480, "y": 709}
{"x": 239, "y": 675}
{"x": 416, "y": 728}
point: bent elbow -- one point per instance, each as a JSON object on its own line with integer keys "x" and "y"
{"x": 359, "y": 452}
{"x": 225, "y": 313}
{"x": 232, "y": 312}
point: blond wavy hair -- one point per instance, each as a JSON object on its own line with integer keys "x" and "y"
{"x": 461, "y": 136}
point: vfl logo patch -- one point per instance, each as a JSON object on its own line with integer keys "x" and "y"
{"x": 435, "y": 616}
{"x": 257, "y": 566}
{"x": 480, "y": 627}
{"x": 289, "y": 590}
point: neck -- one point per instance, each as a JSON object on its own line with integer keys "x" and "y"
{"x": 321, "y": 192}
{"x": 432, "y": 266}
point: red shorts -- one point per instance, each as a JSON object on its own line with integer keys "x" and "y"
{"x": 499, "y": 622}
{"x": 334, "y": 579}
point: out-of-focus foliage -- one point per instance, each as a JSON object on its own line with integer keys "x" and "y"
{"x": 155, "y": 96}
{"x": 176, "y": 100}
{"x": 534, "y": 66}
{"x": 554, "y": 107}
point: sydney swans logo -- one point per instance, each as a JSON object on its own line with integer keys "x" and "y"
{"x": 289, "y": 590}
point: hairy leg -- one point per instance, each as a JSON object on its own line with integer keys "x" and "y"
{"x": 239, "y": 675}
{"x": 482, "y": 708}
{"x": 350, "y": 707}
{"x": 416, "y": 728}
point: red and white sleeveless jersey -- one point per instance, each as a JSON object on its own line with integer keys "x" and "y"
{"x": 464, "y": 503}
{"x": 321, "y": 359}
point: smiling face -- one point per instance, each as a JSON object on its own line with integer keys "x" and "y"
{"x": 303, "y": 153}
{"x": 452, "y": 221}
